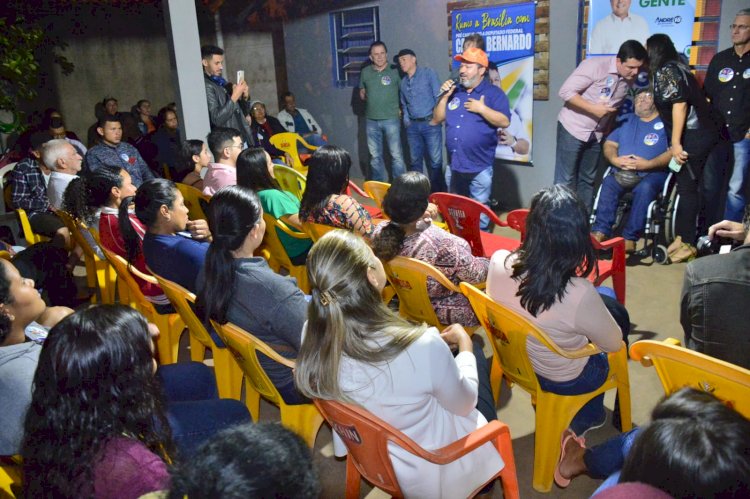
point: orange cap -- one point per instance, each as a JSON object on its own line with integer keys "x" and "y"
{"x": 474, "y": 55}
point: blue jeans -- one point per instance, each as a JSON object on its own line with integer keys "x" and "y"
{"x": 593, "y": 376}
{"x": 426, "y": 144}
{"x": 575, "y": 164}
{"x": 194, "y": 410}
{"x": 604, "y": 459}
{"x": 392, "y": 131}
{"x": 314, "y": 139}
{"x": 738, "y": 181}
{"x": 643, "y": 193}
{"x": 477, "y": 186}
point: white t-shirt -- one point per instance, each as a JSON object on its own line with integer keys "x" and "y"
{"x": 611, "y": 32}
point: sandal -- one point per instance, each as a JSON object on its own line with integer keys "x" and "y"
{"x": 568, "y": 434}
{"x": 685, "y": 253}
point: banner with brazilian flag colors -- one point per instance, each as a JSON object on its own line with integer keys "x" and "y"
{"x": 508, "y": 32}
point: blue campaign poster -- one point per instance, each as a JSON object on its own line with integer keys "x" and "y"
{"x": 611, "y": 22}
{"x": 508, "y": 32}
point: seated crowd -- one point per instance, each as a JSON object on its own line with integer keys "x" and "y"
{"x": 91, "y": 413}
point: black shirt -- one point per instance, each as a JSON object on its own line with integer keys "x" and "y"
{"x": 728, "y": 85}
{"x": 674, "y": 83}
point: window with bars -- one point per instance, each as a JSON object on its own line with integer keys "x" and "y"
{"x": 352, "y": 32}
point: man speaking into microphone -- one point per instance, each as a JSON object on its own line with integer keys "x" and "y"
{"x": 473, "y": 110}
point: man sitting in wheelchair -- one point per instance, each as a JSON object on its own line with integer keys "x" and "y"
{"x": 638, "y": 153}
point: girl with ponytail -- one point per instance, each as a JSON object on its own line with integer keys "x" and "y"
{"x": 358, "y": 351}
{"x": 410, "y": 233}
{"x": 239, "y": 287}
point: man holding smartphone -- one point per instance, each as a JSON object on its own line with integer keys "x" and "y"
{"x": 224, "y": 99}
{"x": 638, "y": 151}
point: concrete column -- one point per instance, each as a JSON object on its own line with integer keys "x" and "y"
{"x": 185, "y": 57}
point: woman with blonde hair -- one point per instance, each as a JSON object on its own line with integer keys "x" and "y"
{"x": 357, "y": 350}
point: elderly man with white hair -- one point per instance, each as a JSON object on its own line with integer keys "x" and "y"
{"x": 63, "y": 160}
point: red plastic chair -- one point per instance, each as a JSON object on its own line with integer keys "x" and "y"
{"x": 614, "y": 268}
{"x": 462, "y": 216}
{"x": 374, "y": 211}
{"x": 366, "y": 438}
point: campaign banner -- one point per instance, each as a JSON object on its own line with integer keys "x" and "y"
{"x": 508, "y": 32}
{"x": 611, "y": 22}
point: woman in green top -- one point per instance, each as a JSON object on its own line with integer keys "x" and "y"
{"x": 255, "y": 170}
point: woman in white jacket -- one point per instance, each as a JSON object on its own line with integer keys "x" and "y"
{"x": 356, "y": 350}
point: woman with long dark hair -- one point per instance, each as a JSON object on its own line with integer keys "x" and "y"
{"x": 410, "y": 233}
{"x": 693, "y": 131}
{"x": 255, "y": 170}
{"x": 173, "y": 246}
{"x": 545, "y": 281}
{"x": 323, "y": 201}
{"x": 167, "y": 140}
{"x": 357, "y": 350}
{"x": 239, "y": 287}
{"x": 194, "y": 158}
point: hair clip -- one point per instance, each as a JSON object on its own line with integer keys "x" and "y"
{"x": 326, "y": 298}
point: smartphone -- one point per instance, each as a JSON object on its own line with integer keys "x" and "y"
{"x": 674, "y": 166}
{"x": 240, "y": 76}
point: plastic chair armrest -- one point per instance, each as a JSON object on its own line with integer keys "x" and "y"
{"x": 464, "y": 445}
{"x": 609, "y": 243}
{"x": 148, "y": 278}
{"x": 358, "y": 190}
{"x": 288, "y": 231}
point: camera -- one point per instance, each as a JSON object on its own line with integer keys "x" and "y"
{"x": 707, "y": 246}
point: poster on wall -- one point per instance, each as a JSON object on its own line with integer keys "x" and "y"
{"x": 611, "y": 22}
{"x": 508, "y": 32}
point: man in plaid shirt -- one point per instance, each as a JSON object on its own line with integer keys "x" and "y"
{"x": 29, "y": 192}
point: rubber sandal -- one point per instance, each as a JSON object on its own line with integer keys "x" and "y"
{"x": 567, "y": 435}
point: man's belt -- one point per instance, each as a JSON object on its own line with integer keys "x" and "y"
{"x": 426, "y": 118}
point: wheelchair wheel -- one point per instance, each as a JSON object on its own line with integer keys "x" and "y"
{"x": 660, "y": 255}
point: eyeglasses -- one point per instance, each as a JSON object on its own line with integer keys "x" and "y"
{"x": 741, "y": 27}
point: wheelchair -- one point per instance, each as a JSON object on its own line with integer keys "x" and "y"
{"x": 659, "y": 230}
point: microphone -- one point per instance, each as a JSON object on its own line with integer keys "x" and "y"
{"x": 455, "y": 82}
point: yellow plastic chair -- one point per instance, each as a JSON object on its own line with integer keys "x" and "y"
{"x": 228, "y": 373}
{"x": 99, "y": 273}
{"x": 678, "y": 367}
{"x": 278, "y": 252}
{"x": 11, "y": 476}
{"x": 508, "y": 332}
{"x": 23, "y": 219}
{"x": 170, "y": 325}
{"x": 289, "y": 143}
{"x": 316, "y": 231}
{"x": 195, "y": 200}
{"x": 376, "y": 190}
{"x": 303, "y": 419}
{"x": 290, "y": 180}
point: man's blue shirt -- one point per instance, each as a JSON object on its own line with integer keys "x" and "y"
{"x": 123, "y": 155}
{"x": 470, "y": 139}
{"x": 646, "y": 139}
{"x": 418, "y": 93}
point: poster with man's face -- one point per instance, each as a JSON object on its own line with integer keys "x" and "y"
{"x": 611, "y": 22}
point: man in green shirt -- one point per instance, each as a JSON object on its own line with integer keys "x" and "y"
{"x": 378, "y": 87}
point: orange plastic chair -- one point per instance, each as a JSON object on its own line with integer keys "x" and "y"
{"x": 289, "y": 143}
{"x": 367, "y": 437}
{"x": 11, "y": 476}
{"x": 374, "y": 211}
{"x": 278, "y": 252}
{"x": 195, "y": 201}
{"x": 462, "y": 216}
{"x": 508, "y": 333}
{"x": 303, "y": 419}
{"x": 614, "y": 268}
{"x": 99, "y": 272}
{"x": 316, "y": 231}
{"x": 678, "y": 367}
{"x": 228, "y": 373}
{"x": 170, "y": 325}
{"x": 290, "y": 180}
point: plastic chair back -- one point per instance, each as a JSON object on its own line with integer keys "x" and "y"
{"x": 228, "y": 374}
{"x": 170, "y": 325}
{"x": 11, "y": 476}
{"x": 195, "y": 200}
{"x": 278, "y": 252}
{"x": 408, "y": 276}
{"x": 516, "y": 220}
{"x": 374, "y": 211}
{"x": 289, "y": 143}
{"x": 316, "y": 231}
{"x": 7, "y": 216}
{"x": 678, "y": 367}
{"x": 366, "y": 438}
{"x": 303, "y": 419}
{"x": 508, "y": 332}
{"x": 376, "y": 190}
{"x": 290, "y": 180}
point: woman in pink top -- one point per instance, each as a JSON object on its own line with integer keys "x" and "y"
{"x": 545, "y": 281}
